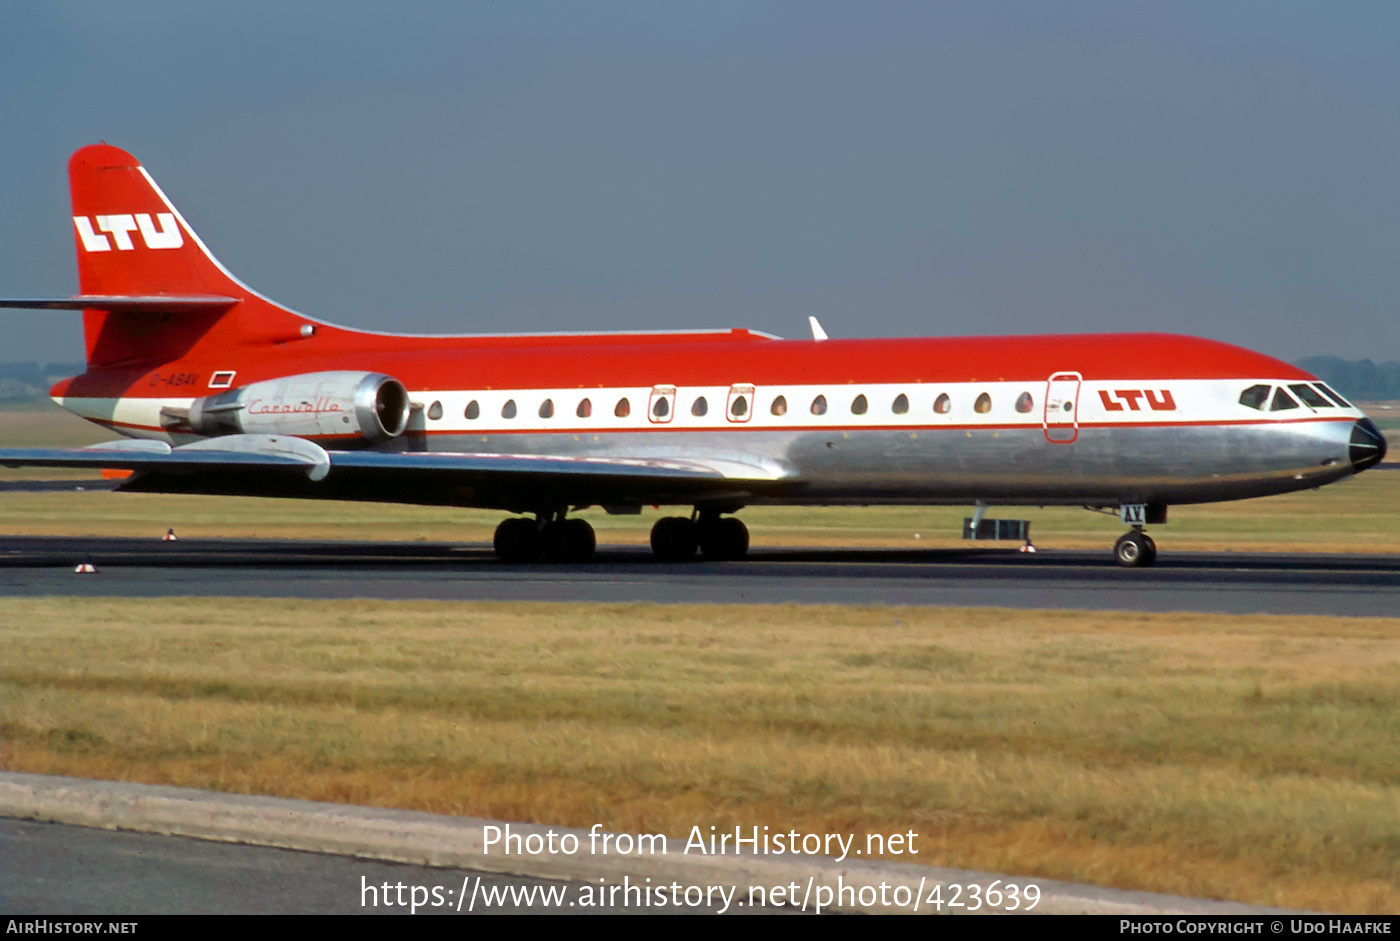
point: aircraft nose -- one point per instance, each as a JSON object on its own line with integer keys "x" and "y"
{"x": 1367, "y": 445}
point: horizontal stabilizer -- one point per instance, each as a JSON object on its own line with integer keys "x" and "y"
{"x": 148, "y": 304}
{"x": 232, "y": 452}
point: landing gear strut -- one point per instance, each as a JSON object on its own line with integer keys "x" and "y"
{"x": 1135, "y": 549}
{"x": 720, "y": 538}
{"x": 519, "y": 540}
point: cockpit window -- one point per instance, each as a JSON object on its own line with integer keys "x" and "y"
{"x": 1255, "y": 396}
{"x": 1333, "y": 396}
{"x": 1282, "y": 401}
{"x": 1309, "y": 395}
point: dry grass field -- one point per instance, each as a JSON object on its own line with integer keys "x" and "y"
{"x": 1250, "y": 758}
{"x": 1360, "y": 515}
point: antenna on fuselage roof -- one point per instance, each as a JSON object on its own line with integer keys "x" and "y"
{"x": 818, "y": 333}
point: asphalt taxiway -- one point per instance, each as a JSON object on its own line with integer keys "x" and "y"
{"x": 1237, "y": 583}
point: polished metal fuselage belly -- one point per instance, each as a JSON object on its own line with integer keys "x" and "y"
{"x": 1172, "y": 464}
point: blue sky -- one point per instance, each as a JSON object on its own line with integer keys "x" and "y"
{"x": 1219, "y": 169}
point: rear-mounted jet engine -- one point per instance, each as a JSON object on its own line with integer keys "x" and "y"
{"x": 371, "y": 406}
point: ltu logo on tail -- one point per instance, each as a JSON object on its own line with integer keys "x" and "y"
{"x": 121, "y": 226}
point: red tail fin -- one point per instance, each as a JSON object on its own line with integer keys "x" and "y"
{"x": 131, "y": 241}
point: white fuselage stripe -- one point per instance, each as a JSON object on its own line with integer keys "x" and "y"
{"x": 1194, "y": 402}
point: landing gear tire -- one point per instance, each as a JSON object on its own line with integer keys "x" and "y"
{"x": 724, "y": 539}
{"x": 1135, "y": 550}
{"x": 569, "y": 541}
{"x": 518, "y": 540}
{"x": 674, "y": 539}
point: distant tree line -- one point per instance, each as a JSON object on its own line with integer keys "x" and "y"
{"x": 21, "y": 382}
{"x": 1356, "y": 379}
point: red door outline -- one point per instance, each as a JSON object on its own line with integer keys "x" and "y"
{"x": 1062, "y": 424}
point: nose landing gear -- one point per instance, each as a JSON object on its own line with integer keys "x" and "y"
{"x": 1135, "y": 549}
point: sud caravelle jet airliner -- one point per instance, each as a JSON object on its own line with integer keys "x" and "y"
{"x": 219, "y": 390}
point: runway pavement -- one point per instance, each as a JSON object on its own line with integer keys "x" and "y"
{"x": 1355, "y": 585}
{"x": 54, "y": 870}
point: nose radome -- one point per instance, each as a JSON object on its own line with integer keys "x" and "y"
{"x": 1367, "y": 445}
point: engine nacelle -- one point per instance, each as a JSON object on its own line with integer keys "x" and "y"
{"x": 367, "y": 405}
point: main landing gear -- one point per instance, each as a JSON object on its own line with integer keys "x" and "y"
{"x": 719, "y": 538}
{"x": 673, "y": 539}
{"x": 519, "y": 539}
{"x": 1135, "y": 549}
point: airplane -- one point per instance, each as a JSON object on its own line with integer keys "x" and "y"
{"x": 219, "y": 390}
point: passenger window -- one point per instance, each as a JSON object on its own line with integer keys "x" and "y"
{"x": 661, "y": 409}
{"x": 508, "y": 410}
{"x": 1025, "y": 403}
{"x": 700, "y": 407}
{"x": 585, "y": 409}
{"x": 901, "y": 404}
{"x": 435, "y": 411}
{"x": 1255, "y": 396}
{"x": 1309, "y": 395}
{"x": 739, "y": 407}
{"x": 779, "y": 406}
{"x": 819, "y": 405}
{"x": 624, "y": 408}
{"x": 859, "y": 406}
{"x": 473, "y": 411}
{"x": 1327, "y": 390}
{"x": 943, "y": 405}
{"x": 1282, "y": 401}
{"x": 983, "y": 405}
{"x": 547, "y": 408}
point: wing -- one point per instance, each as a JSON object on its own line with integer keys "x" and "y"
{"x": 279, "y": 465}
